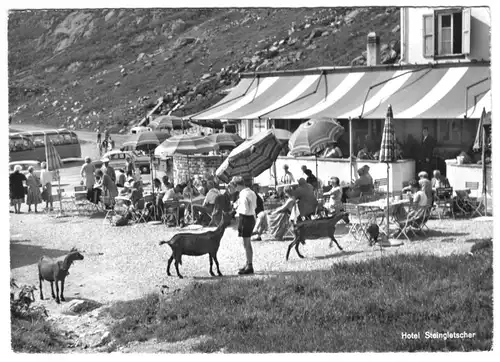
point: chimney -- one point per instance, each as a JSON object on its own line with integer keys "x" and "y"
{"x": 373, "y": 50}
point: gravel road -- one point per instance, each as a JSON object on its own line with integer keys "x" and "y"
{"x": 124, "y": 263}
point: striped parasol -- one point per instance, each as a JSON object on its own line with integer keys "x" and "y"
{"x": 52, "y": 156}
{"x": 388, "y": 155}
{"x": 54, "y": 163}
{"x": 484, "y": 121}
{"x": 251, "y": 158}
{"x": 184, "y": 144}
{"x": 170, "y": 122}
{"x": 314, "y": 136}
{"x": 144, "y": 141}
{"x": 226, "y": 140}
{"x": 388, "y": 145}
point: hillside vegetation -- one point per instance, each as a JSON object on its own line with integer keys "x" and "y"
{"x": 75, "y": 68}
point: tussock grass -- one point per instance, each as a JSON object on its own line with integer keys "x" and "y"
{"x": 351, "y": 307}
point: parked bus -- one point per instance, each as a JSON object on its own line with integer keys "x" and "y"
{"x": 21, "y": 148}
{"x": 65, "y": 141}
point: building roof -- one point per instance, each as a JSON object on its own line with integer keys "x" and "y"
{"x": 430, "y": 91}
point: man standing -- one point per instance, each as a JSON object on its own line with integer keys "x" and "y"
{"x": 307, "y": 200}
{"x": 287, "y": 178}
{"x": 426, "y": 151}
{"x": 245, "y": 207}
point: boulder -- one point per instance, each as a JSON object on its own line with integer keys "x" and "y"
{"x": 316, "y": 33}
{"x": 80, "y": 306}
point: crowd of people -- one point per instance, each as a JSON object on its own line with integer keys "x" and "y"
{"x": 31, "y": 189}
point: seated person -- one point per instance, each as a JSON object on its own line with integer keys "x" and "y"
{"x": 189, "y": 191}
{"x": 364, "y": 154}
{"x": 307, "y": 201}
{"x": 426, "y": 186}
{"x": 208, "y": 205}
{"x": 334, "y": 203}
{"x": 363, "y": 184}
{"x": 333, "y": 152}
{"x": 419, "y": 201}
{"x": 122, "y": 178}
{"x": 173, "y": 195}
{"x": 136, "y": 197}
{"x": 127, "y": 186}
{"x": 276, "y": 222}
{"x": 439, "y": 181}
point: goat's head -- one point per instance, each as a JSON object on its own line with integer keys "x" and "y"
{"x": 74, "y": 254}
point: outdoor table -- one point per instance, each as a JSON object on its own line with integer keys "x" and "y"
{"x": 374, "y": 206}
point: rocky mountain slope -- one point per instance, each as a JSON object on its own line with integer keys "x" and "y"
{"x": 76, "y": 68}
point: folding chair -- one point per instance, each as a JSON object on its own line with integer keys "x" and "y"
{"x": 421, "y": 221}
{"x": 171, "y": 212}
{"x": 358, "y": 222}
{"x": 474, "y": 197}
{"x": 381, "y": 186}
{"x": 82, "y": 205}
{"x": 444, "y": 201}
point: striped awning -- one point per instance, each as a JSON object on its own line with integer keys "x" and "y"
{"x": 415, "y": 91}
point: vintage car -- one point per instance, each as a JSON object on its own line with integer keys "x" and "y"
{"x": 117, "y": 160}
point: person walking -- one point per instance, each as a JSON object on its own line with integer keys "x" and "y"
{"x": 34, "y": 195}
{"x": 245, "y": 208}
{"x": 88, "y": 177}
{"x": 426, "y": 152}
{"x": 16, "y": 187}
{"x": 46, "y": 180}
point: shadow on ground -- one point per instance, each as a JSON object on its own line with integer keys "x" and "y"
{"x": 22, "y": 254}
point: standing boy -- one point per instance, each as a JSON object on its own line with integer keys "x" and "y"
{"x": 245, "y": 207}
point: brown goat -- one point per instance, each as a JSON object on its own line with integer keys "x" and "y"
{"x": 54, "y": 270}
{"x": 198, "y": 244}
{"x": 315, "y": 229}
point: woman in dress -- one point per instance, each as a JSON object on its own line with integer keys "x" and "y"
{"x": 46, "y": 180}
{"x": 16, "y": 183}
{"x": 108, "y": 187}
{"x": 276, "y": 222}
{"x": 34, "y": 195}
{"x": 88, "y": 178}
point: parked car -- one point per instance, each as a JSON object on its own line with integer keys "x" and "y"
{"x": 26, "y": 164}
{"x": 139, "y": 129}
{"x": 117, "y": 160}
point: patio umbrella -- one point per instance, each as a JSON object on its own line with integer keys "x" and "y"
{"x": 283, "y": 136}
{"x": 184, "y": 145}
{"x": 226, "y": 140}
{"x": 147, "y": 142}
{"x": 387, "y": 153}
{"x": 481, "y": 144}
{"x": 251, "y": 158}
{"x": 54, "y": 163}
{"x": 170, "y": 122}
{"x": 314, "y": 136}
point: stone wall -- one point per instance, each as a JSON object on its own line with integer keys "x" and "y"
{"x": 198, "y": 165}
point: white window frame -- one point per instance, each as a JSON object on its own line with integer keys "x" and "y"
{"x": 435, "y": 33}
{"x": 440, "y": 34}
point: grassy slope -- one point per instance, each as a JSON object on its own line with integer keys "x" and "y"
{"x": 99, "y": 58}
{"x": 352, "y": 307}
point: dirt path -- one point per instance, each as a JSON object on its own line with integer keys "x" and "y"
{"x": 126, "y": 263}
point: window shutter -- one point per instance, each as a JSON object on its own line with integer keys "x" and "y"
{"x": 466, "y": 31}
{"x": 428, "y": 35}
